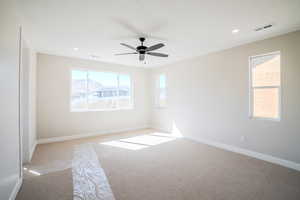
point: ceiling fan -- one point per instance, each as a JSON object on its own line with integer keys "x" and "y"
{"x": 143, "y": 50}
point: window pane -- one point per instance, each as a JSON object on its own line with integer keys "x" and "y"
{"x": 266, "y": 70}
{"x": 79, "y": 90}
{"x": 162, "y": 81}
{"x": 265, "y": 102}
{"x": 125, "y": 85}
{"x": 103, "y": 90}
{"x": 124, "y": 100}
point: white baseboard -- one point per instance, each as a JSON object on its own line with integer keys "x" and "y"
{"x": 85, "y": 135}
{"x": 32, "y": 150}
{"x": 160, "y": 128}
{"x": 16, "y": 189}
{"x": 261, "y": 156}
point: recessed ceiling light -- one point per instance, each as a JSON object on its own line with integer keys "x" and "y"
{"x": 75, "y": 49}
{"x": 235, "y": 31}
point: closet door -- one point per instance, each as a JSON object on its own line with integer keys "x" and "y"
{"x": 10, "y": 167}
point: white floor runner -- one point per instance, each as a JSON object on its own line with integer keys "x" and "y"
{"x": 89, "y": 179}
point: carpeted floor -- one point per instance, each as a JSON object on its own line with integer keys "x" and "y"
{"x": 159, "y": 167}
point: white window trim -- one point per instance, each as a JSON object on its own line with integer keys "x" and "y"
{"x": 251, "y": 89}
{"x": 157, "y": 91}
{"x": 100, "y": 110}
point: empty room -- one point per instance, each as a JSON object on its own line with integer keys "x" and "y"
{"x": 150, "y": 100}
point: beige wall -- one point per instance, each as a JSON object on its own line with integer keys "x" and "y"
{"x": 208, "y": 98}
{"x": 28, "y": 101}
{"x": 32, "y": 110}
{"x": 53, "y": 100}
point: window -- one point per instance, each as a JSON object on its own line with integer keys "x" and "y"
{"x": 161, "y": 96}
{"x": 93, "y": 90}
{"x": 265, "y": 86}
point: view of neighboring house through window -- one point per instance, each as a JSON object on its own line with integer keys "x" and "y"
{"x": 265, "y": 86}
{"x": 161, "y": 96}
{"x": 94, "y": 90}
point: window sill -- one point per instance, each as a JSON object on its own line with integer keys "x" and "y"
{"x": 160, "y": 107}
{"x": 265, "y": 119}
{"x": 103, "y": 110}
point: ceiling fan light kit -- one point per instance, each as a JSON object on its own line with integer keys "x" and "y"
{"x": 143, "y": 50}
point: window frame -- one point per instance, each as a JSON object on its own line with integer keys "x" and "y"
{"x": 157, "y": 91}
{"x": 252, "y": 88}
{"x": 100, "y": 110}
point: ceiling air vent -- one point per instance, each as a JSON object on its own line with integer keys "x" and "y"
{"x": 263, "y": 27}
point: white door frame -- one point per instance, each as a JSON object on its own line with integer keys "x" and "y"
{"x": 20, "y": 106}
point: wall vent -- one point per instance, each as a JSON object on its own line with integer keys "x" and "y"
{"x": 263, "y": 27}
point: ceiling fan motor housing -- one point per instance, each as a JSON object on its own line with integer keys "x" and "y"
{"x": 141, "y": 49}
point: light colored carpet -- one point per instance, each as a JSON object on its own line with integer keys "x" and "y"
{"x": 159, "y": 168}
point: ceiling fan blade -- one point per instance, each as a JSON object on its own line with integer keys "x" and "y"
{"x": 130, "y": 47}
{"x": 157, "y": 54}
{"x": 128, "y": 26}
{"x": 154, "y": 47}
{"x": 137, "y": 31}
{"x": 119, "y": 54}
{"x": 142, "y": 57}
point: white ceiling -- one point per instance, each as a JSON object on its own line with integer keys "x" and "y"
{"x": 188, "y": 27}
